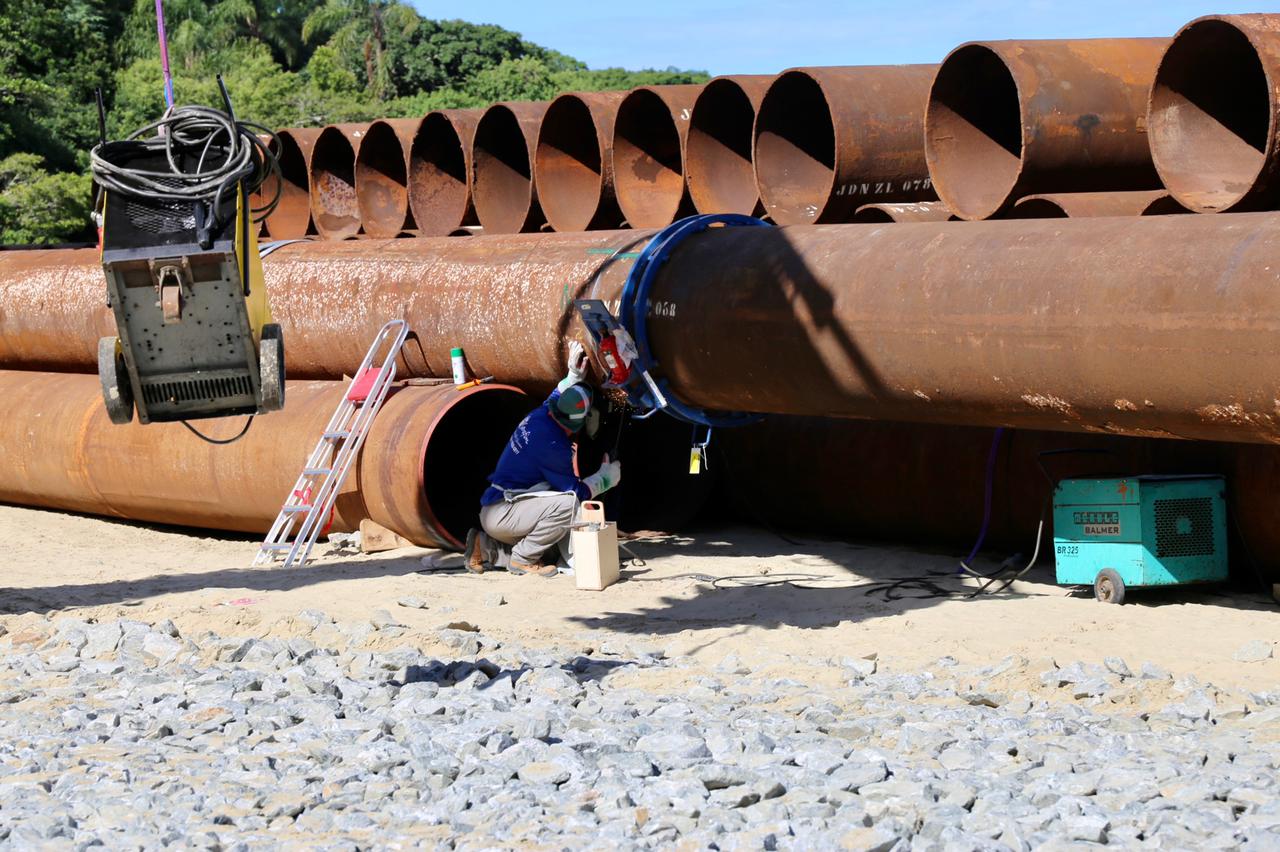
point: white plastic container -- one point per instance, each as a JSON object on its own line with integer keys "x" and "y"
{"x": 595, "y": 549}
{"x": 459, "y": 361}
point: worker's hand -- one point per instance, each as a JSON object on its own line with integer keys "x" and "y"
{"x": 609, "y": 475}
{"x": 577, "y": 366}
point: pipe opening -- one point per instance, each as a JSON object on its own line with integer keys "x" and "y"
{"x": 569, "y": 165}
{"x": 718, "y": 150}
{"x": 334, "y": 205}
{"x": 437, "y": 176}
{"x": 795, "y": 149}
{"x": 973, "y": 132}
{"x": 382, "y": 182}
{"x": 873, "y": 216}
{"x": 292, "y": 217}
{"x": 1165, "y": 205}
{"x": 1210, "y": 116}
{"x": 461, "y": 451}
{"x": 502, "y": 190}
{"x": 648, "y": 169}
{"x": 1037, "y": 208}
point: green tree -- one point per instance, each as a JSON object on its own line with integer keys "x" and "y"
{"x": 37, "y": 207}
{"x": 523, "y": 79}
{"x": 361, "y": 28}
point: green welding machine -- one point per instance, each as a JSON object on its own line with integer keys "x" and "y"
{"x": 1116, "y": 534}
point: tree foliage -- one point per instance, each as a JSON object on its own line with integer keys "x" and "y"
{"x": 286, "y": 63}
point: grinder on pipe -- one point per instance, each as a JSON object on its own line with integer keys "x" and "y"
{"x": 1007, "y": 119}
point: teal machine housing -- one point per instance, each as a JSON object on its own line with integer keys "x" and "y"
{"x": 1119, "y": 533}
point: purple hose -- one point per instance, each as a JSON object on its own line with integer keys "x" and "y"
{"x": 986, "y": 503}
{"x": 164, "y": 53}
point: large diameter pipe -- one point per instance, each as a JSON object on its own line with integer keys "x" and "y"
{"x": 920, "y": 211}
{"x": 420, "y": 473}
{"x": 440, "y": 171}
{"x": 1157, "y": 326}
{"x": 502, "y": 152}
{"x": 1007, "y": 119}
{"x": 648, "y": 154}
{"x": 1073, "y": 205}
{"x": 291, "y": 220}
{"x": 1214, "y": 114}
{"x": 829, "y": 140}
{"x": 382, "y": 177}
{"x": 335, "y": 208}
{"x": 717, "y": 157}
{"x": 573, "y": 162}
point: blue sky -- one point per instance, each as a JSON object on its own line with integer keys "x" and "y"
{"x": 765, "y": 36}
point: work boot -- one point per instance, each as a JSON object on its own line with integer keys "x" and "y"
{"x": 518, "y": 567}
{"x": 475, "y": 557}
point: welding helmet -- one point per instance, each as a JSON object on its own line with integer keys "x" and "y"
{"x": 572, "y": 408}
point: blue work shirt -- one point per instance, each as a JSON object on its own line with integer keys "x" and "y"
{"x": 539, "y": 451}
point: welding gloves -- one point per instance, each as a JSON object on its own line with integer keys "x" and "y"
{"x": 577, "y": 367}
{"x": 609, "y": 475}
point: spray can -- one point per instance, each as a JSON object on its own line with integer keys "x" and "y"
{"x": 459, "y": 361}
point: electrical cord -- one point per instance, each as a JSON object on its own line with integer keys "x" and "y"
{"x": 241, "y": 158}
{"x": 222, "y": 442}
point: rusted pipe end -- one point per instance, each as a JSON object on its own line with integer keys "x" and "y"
{"x": 920, "y": 211}
{"x": 795, "y": 149}
{"x": 335, "y": 208}
{"x": 502, "y": 188}
{"x": 571, "y": 163}
{"x": 429, "y": 454}
{"x": 291, "y": 219}
{"x": 717, "y": 156}
{"x": 382, "y": 178}
{"x": 1077, "y": 205}
{"x": 1037, "y": 207}
{"x": 973, "y": 132}
{"x": 439, "y": 173}
{"x": 648, "y": 154}
{"x": 1212, "y": 115}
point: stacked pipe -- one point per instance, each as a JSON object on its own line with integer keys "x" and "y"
{"x": 1151, "y": 328}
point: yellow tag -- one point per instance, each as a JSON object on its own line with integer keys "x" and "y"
{"x": 695, "y": 461}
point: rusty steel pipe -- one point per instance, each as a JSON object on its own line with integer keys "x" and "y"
{"x": 335, "y": 209}
{"x": 440, "y": 171}
{"x": 1157, "y": 326}
{"x": 291, "y": 220}
{"x": 420, "y": 473}
{"x": 648, "y": 154}
{"x": 920, "y": 211}
{"x": 829, "y": 140}
{"x": 1063, "y": 205}
{"x": 382, "y": 177}
{"x": 502, "y": 151}
{"x": 573, "y": 162}
{"x": 1165, "y": 205}
{"x": 717, "y": 157}
{"x": 1007, "y": 119}
{"x": 1214, "y": 114}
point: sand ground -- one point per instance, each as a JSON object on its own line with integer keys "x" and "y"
{"x": 62, "y": 564}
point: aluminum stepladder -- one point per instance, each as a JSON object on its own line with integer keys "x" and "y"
{"x": 311, "y": 500}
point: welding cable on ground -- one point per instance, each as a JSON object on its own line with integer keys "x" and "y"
{"x": 190, "y": 132}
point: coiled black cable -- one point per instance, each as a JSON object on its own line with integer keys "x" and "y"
{"x": 226, "y": 153}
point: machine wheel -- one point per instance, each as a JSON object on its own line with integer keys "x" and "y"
{"x": 1108, "y": 587}
{"x": 271, "y": 367}
{"x": 117, "y": 393}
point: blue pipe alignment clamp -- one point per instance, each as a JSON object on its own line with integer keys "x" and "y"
{"x": 645, "y": 392}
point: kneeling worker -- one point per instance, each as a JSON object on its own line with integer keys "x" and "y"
{"x": 533, "y": 495}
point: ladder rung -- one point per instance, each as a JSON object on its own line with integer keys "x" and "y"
{"x": 335, "y": 435}
{"x": 285, "y": 546}
{"x": 295, "y": 509}
{"x": 317, "y": 471}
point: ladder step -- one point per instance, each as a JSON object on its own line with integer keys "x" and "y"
{"x": 333, "y": 436}
{"x": 295, "y": 509}
{"x": 284, "y": 546}
{"x": 317, "y": 471}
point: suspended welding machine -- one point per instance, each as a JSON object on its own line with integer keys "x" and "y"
{"x": 1117, "y": 534}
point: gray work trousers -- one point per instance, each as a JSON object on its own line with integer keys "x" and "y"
{"x": 525, "y": 526}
